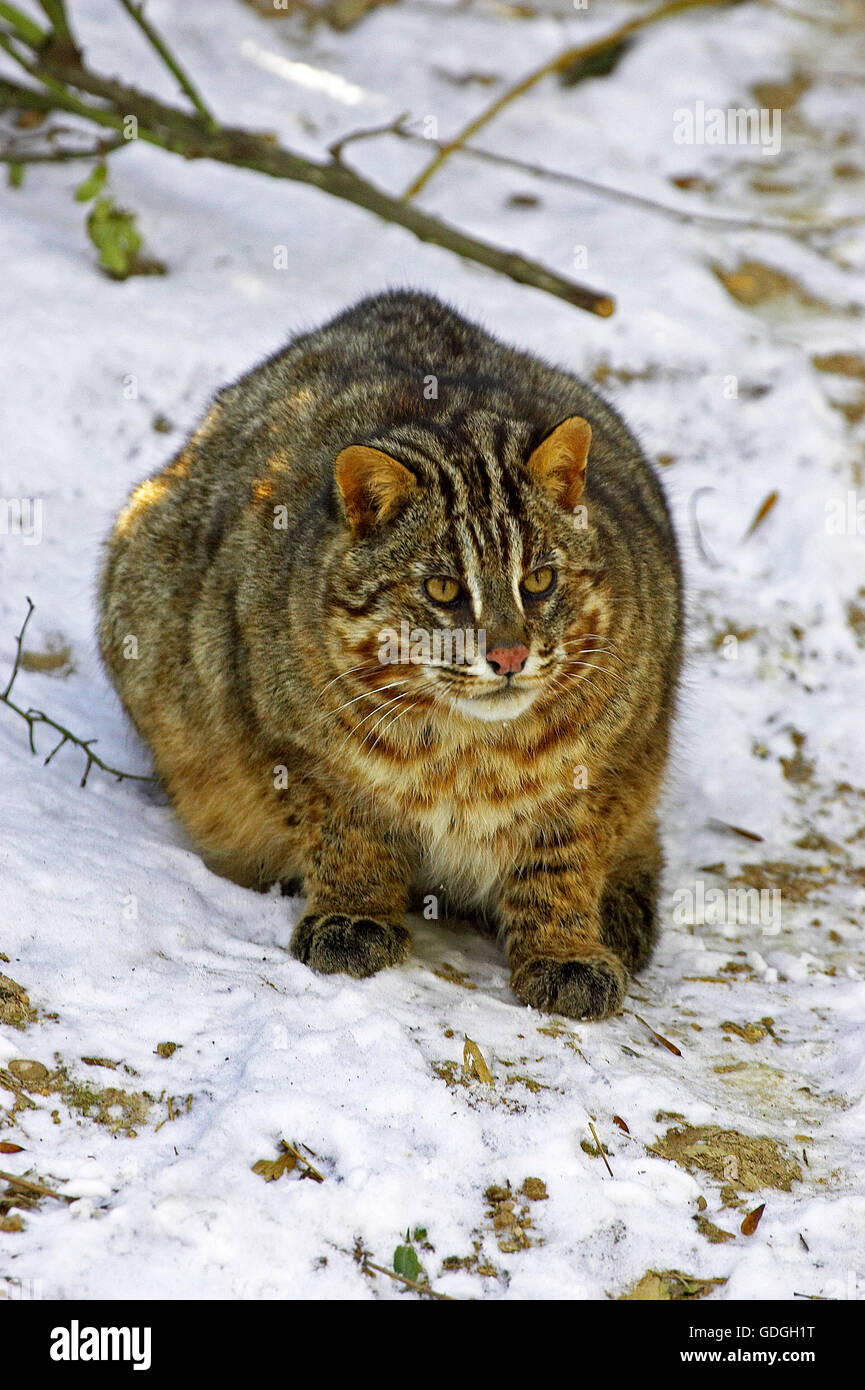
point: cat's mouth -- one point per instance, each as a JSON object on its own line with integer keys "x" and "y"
{"x": 504, "y": 701}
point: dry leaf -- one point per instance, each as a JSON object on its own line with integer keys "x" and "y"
{"x": 714, "y": 1234}
{"x": 670, "y": 1285}
{"x": 650, "y": 1288}
{"x": 272, "y": 1168}
{"x": 474, "y": 1064}
{"x": 11, "y": 1149}
{"x": 752, "y": 1220}
{"x": 762, "y": 512}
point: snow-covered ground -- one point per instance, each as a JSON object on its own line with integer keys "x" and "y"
{"x": 124, "y": 940}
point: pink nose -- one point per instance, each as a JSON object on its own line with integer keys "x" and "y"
{"x": 505, "y": 661}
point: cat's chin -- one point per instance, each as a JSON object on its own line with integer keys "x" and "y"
{"x": 498, "y": 707}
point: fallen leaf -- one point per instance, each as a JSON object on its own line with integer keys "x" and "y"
{"x": 714, "y": 1234}
{"x": 752, "y": 1220}
{"x": 670, "y": 1285}
{"x": 762, "y": 512}
{"x": 272, "y": 1168}
{"x": 474, "y": 1064}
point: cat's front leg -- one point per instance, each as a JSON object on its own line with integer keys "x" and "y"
{"x": 355, "y": 878}
{"x": 549, "y": 908}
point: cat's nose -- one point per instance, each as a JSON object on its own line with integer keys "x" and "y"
{"x": 506, "y": 661}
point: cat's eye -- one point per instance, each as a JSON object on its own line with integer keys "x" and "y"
{"x": 540, "y": 581}
{"x": 442, "y": 589}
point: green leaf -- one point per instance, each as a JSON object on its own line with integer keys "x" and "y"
{"x": 92, "y": 184}
{"x": 16, "y": 175}
{"x": 406, "y": 1262}
{"x": 23, "y": 25}
{"x": 596, "y": 65}
{"x": 115, "y": 236}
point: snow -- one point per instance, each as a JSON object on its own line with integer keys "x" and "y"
{"x": 111, "y": 922}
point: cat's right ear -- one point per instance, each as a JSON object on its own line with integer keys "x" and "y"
{"x": 372, "y": 485}
{"x": 559, "y": 461}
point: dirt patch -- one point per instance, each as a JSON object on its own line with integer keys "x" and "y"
{"x": 751, "y": 1032}
{"x": 739, "y": 1161}
{"x": 449, "y": 972}
{"x": 856, "y": 619}
{"x": 796, "y": 882}
{"x": 16, "y": 1010}
{"x": 841, "y": 364}
{"x": 510, "y": 1220}
{"x": 120, "y": 1111}
{"x": 798, "y": 768}
{"x": 754, "y": 284}
{"x": 56, "y": 660}
{"x": 784, "y": 95}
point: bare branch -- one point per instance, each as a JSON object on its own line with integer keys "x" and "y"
{"x": 553, "y": 65}
{"x": 136, "y": 12}
{"x": 35, "y": 716}
{"x": 724, "y": 221}
{"x": 58, "y": 155}
{"x": 56, "y": 12}
{"x": 186, "y": 135}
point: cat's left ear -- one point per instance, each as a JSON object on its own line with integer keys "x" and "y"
{"x": 372, "y": 485}
{"x": 559, "y": 462}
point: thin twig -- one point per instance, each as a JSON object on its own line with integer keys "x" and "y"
{"x": 35, "y": 716}
{"x": 558, "y": 64}
{"x": 600, "y": 1148}
{"x": 665, "y": 1042}
{"x": 734, "y": 829}
{"x": 56, "y": 12}
{"x": 689, "y": 216}
{"x": 34, "y": 1187}
{"x": 136, "y": 12}
{"x": 9, "y": 155}
{"x": 310, "y": 1171}
{"x": 412, "y": 1283}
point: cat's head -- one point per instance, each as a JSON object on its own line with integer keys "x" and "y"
{"x": 468, "y": 583}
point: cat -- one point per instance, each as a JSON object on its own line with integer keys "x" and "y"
{"x": 400, "y": 470}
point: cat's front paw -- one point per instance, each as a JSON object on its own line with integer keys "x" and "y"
{"x": 592, "y": 988}
{"x": 333, "y": 943}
